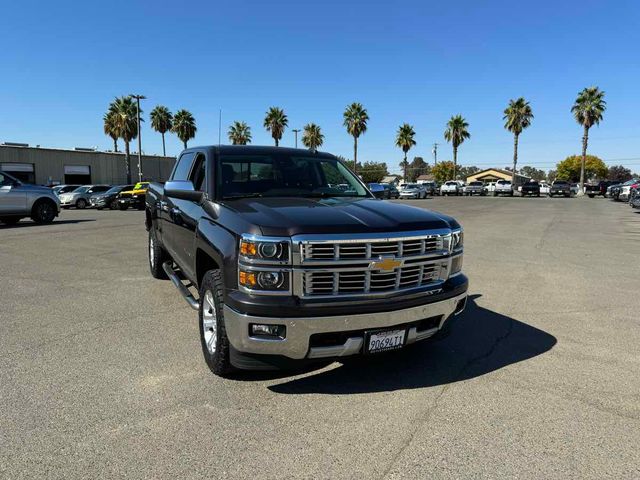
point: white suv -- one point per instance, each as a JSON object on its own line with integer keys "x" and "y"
{"x": 503, "y": 187}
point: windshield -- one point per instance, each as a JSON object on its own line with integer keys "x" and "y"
{"x": 283, "y": 175}
{"x": 451, "y": 183}
{"x": 503, "y": 182}
{"x": 560, "y": 182}
{"x": 114, "y": 189}
{"x": 411, "y": 186}
{"x": 475, "y": 184}
{"x": 81, "y": 189}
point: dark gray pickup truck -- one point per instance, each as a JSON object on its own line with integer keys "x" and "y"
{"x": 288, "y": 258}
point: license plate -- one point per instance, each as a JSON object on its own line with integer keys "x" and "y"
{"x": 383, "y": 341}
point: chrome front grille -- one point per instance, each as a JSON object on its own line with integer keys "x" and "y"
{"x": 369, "y": 249}
{"x": 365, "y": 281}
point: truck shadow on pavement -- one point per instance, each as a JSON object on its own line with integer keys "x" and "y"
{"x": 481, "y": 341}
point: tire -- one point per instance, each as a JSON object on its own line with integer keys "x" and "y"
{"x": 157, "y": 256}
{"x": 81, "y": 204}
{"x": 213, "y": 335}
{"x": 122, "y": 207}
{"x": 495, "y": 194}
{"x": 591, "y": 196}
{"x": 537, "y": 195}
{"x": 100, "y": 208}
{"x": 113, "y": 206}
{"x": 43, "y": 211}
{"x": 10, "y": 220}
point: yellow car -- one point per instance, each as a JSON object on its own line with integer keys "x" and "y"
{"x": 133, "y": 198}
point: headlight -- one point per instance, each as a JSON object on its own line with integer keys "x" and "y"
{"x": 264, "y": 250}
{"x": 454, "y": 242}
{"x": 264, "y": 280}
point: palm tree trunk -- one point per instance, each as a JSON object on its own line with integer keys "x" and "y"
{"x": 185, "y": 144}
{"x": 585, "y": 140}
{"x": 127, "y": 160}
{"x": 277, "y": 141}
{"x": 405, "y": 166}
{"x": 455, "y": 160}
{"x": 164, "y": 151}
{"x": 515, "y": 158}
{"x": 355, "y": 154}
{"x": 115, "y": 145}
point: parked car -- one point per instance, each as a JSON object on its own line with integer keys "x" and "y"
{"x": 635, "y": 198}
{"x": 79, "y": 198}
{"x": 600, "y": 188}
{"x": 575, "y": 188}
{"x": 530, "y": 188}
{"x": 390, "y": 191}
{"x": 544, "y": 188}
{"x": 490, "y": 187}
{"x": 291, "y": 270}
{"x": 60, "y": 189}
{"x": 413, "y": 190}
{"x": 431, "y": 187}
{"x": 611, "y": 190}
{"x": 503, "y": 187}
{"x": 452, "y": 187}
{"x": 133, "y": 198}
{"x": 474, "y": 188}
{"x": 560, "y": 187}
{"x": 625, "y": 190}
{"x": 19, "y": 200}
{"x": 102, "y": 200}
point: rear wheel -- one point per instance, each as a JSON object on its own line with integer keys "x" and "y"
{"x": 44, "y": 211}
{"x": 213, "y": 335}
{"x": 157, "y": 256}
{"x": 591, "y": 195}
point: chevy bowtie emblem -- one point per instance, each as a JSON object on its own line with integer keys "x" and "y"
{"x": 385, "y": 264}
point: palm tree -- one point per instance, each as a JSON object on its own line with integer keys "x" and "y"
{"x": 588, "y": 110}
{"x": 312, "y": 137}
{"x": 275, "y": 121}
{"x": 239, "y": 133}
{"x": 161, "y": 122}
{"x": 456, "y": 133}
{"x": 126, "y": 125}
{"x": 517, "y": 117}
{"x": 110, "y": 125}
{"x": 405, "y": 140}
{"x": 184, "y": 126}
{"x": 355, "y": 120}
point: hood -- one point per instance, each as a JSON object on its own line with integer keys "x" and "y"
{"x": 294, "y": 216}
{"x": 36, "y": 188}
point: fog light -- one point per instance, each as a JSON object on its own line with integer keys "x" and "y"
{"x": 274, "y": 331}
{"x": 456, "y": 265}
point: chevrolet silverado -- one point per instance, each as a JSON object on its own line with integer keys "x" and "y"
{"x": 285, "y": 268}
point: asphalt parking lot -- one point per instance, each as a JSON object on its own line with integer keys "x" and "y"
{"x": 101, "y": 372}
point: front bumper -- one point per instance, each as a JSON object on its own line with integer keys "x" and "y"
{"x": 299, "y": 330}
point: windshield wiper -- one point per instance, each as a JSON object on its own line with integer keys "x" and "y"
{"x": 244, "y": 195}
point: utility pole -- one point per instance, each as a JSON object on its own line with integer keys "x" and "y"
{"x": 138, "y": 98}
{"x": 296, "y": 130}
{"x": 435, "y": 153}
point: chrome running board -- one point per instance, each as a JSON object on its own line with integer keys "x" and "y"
{"x": 182, "y": 288}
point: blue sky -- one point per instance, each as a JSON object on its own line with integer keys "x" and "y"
{"x": 417, "y": 62}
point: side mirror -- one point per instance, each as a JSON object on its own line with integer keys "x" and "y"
{"x": 183, "y": 190}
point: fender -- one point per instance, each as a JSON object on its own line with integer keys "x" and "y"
{"x": 220, "y": 246}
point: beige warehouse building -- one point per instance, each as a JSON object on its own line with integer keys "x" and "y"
{"x": 494, "y": 174}
{"x": 48, "y": 166}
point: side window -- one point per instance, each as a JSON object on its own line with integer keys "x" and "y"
{"x": 198, "y": 174}
{"x": 183, "y": 166}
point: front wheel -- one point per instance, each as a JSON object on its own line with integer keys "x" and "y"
{"x": 81, "y": 204}
{"x": 591, "y": 196}
{"x": 122, "y": 206}
{"x": 43, "y": 211}
{"x": 213, "y": 335}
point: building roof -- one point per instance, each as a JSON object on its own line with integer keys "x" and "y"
{"x": 390, "y": 179}
{"x": 425, "y": 177}
{"x": 495, "y": 172}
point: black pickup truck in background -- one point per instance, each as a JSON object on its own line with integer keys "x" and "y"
{"x": 597, "y": 189}
{"x": 560, "y": 187}
{"x": 530, "y": 188}
{"x": 288, "y": 258}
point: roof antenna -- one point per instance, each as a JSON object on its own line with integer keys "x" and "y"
{"x": 220, "y": 127}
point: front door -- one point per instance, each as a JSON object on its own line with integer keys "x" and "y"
{"x": 13, "y": 198}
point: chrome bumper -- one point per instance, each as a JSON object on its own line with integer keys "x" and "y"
{"x": 299, "y": 330}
